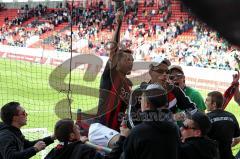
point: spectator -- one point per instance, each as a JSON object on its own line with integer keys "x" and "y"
{"x": 157, "y": 136}
{"x": 71, "y": 144}
{"x": 13, "y": 144}
{"x": 159, "y": 73}
{"x": 224, "y": 124}
{"x": 115, "y": 86}
{"x": 178, "y": 78}
{"x": 195, "y": 144}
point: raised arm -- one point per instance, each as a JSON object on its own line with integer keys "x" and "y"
{"x": 237, "y": 92}
{"x": 233, "y": 90}
{"x": 116, "y": 36}
{"x": 237, "y": 96}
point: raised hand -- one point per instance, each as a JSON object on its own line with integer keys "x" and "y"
{"x": 236, "y": 77}
{"x": 119, "y": 17}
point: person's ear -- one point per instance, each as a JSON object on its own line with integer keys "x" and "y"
{"x": 147, "y": 105}
{"x": 183, "y": 78}
{"x": 144, "y": 104}
{"x": 15, "y": 118}
{"x": 150, "y": 72}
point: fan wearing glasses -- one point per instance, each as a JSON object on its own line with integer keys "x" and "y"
{"x": 13, "y": 144}
{"x": 159, "y": 73}
{"x": 195, "y": 144}
{"x": 178, "y": 78}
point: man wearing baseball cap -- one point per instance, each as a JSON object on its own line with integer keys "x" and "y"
{"x": 178, "y": 78}
{"x": 157, "y": 136}
{"x": 159, "y": 73}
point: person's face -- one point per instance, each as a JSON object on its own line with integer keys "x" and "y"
{"x": 177, "y": 78}
{"x": 210, "y": 105}
{"x": 188, "y": 129}
{"x": 21, "y": 117}
{"x": 125, "y": 64}
{"x": 159, "y": 75}
{"x": 75, "y": 135}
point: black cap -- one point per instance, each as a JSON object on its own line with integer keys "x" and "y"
{"x": 156, "y": 95}
{"x": 202, "y": 121}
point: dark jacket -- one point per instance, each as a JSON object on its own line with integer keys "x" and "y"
{"x": 225, "y": 127}
{"x": 156, "y": 137}
{"x": 75, "y": 150}
{"x": 238, "y": 154}
{"x": 13, "y": 144}
{"x": 198, "y": 148}
{"x": 117, "y": 149}
{"x": 177, "y": 99}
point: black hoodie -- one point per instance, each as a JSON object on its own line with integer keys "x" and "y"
{"x": 75, "y": 150}
{"x": 13, "y": 144}
{"x": 156, "y": 137}
{"x": 199, "y": 148}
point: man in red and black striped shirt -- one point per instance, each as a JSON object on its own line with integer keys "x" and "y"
{"x": 115, "y": 87}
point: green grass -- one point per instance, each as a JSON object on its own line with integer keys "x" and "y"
{"x": 28, "y": 83}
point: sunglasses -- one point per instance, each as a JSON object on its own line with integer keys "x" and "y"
{"x": 175, "y": 77}
{"x": 158, "y": 70}
{"x": 161, "y": 71}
